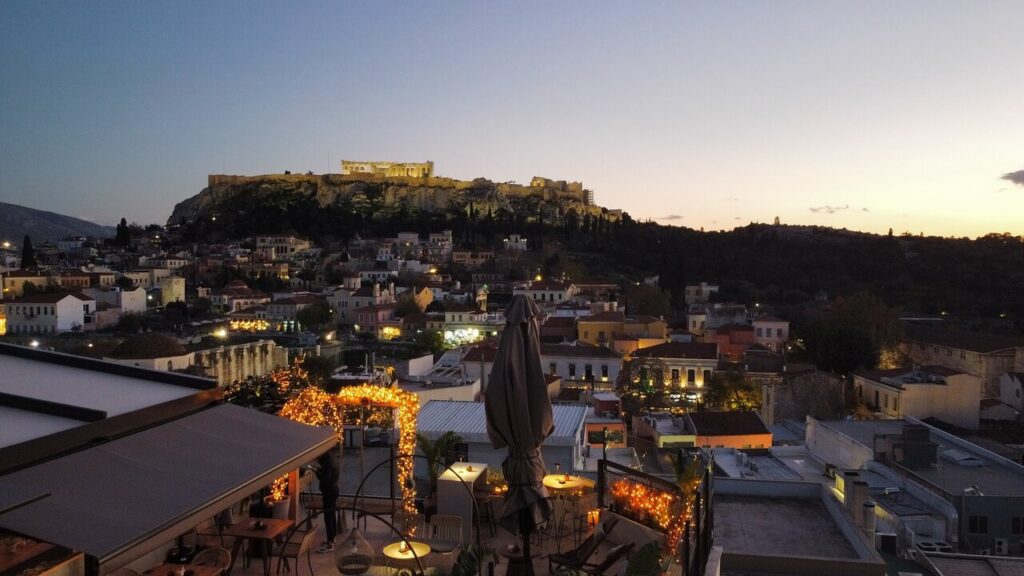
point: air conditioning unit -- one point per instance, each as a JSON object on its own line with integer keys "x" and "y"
{"x": 985, "y": 551}
{"x": 1002, "y": 547}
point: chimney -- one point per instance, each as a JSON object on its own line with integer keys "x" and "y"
{"x": 860, "y": 497}
{"x": 868, "y": 519}
{"x": 376, "y": 291}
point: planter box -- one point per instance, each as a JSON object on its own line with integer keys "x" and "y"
{"x": 630, "y": 531}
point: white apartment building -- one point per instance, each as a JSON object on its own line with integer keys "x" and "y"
{"x": 51, "y": 314}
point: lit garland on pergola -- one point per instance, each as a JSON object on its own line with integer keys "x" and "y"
{"x": 662, "y": 508}
{"x": 315, "y": 407}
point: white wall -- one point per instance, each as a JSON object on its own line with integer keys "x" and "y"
{"x": 832, "y": 447}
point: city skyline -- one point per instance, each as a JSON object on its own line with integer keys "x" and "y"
{"x": 867, "y": 117}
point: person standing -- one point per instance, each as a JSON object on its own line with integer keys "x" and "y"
{"x": 328, "y": 474}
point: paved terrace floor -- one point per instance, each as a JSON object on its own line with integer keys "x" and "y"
{"x": 379, "y": 535}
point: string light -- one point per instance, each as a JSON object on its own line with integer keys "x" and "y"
{"x": 663, "y": 509}
{"x": 316, "y": 407}
{"x": 249, "y": 325}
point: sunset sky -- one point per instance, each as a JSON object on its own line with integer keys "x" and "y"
{"x": 865, "y": 115}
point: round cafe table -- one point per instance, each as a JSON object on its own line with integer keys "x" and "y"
{"x": 564, "y": 482}
{"x": 394, "y": 551}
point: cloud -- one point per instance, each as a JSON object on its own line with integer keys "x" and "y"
{"x": 828, "y": 209}
{"x": 671, "y": 217}
{"x": 1015, "y": 177}
{"x": 865, "y": 210}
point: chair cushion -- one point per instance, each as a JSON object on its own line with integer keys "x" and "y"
{"x": 443, "y": 546}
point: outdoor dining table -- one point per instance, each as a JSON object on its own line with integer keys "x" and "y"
{"x": 562, "y": 486}
{"x": 407, "y": 559}
{"x": 169, "y": 569}
{"x": 272, "y": 528}
{"x": 566, "y": 482}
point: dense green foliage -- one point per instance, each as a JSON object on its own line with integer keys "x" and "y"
{"x": 774, "y": 264}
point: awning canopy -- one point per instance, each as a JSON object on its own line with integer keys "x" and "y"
{"x": 122, "y": 499}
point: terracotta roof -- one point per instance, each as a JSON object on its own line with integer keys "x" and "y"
{"x": 549, "y": 285}
{"x": 726, "y": 423}
{"x": 23, "y": 274}
{"x": 49, "y": 298}
{"x": 577, "y": 350}
{"x": 680, "y": 350}
{"x": 609, "y": 316}
{"x": 481, "y": 352}
{"x": 559, "y": 322}
{"x": 148, "y": 345}
{"x": 877, "y": 375}
{"x": 959, "y": 339}
{"x": 300, "y": 299}
{"x": 732, "y": 327}
{"x": 377, "y": 307}
{"x": 642, "y": 319}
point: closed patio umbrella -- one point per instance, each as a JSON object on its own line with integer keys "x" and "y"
{"x": 519, "y": 417}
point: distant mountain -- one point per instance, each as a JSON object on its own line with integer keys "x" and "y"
{"x": 16, "y": 221}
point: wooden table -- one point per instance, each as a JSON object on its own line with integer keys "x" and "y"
{"x": 566, "y": 482}
{"x": 272, "y": 528}
{"x": 407, "y": 559}
{"x": 190, "y": 570}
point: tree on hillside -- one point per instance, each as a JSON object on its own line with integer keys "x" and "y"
{"x": 406, "y": 305}
{"x": 840, "y": 349}
{"x": 122, "y": 236}
{"x": 649, "y": 300}
{"x": 315, "y": 316}
{"x": 28, "y": 253}
{"x": 431, "y": 341}
{"x": 731, "y": 391}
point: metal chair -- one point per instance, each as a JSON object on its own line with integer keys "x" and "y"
{"x": 406, "y": 523}
{"x": 213, "y": 556}
{"x": 577, "y": 558}
{"x": 614, "y": 555}
{"x": 485, "y": 510}
{"x": 298, "y": 540}
{"x": 445, "y": 534}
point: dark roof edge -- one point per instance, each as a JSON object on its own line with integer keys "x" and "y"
{"x": 65, "y": 442}
{"x": 51, "y": 408}
{"x": 82, "y": 362}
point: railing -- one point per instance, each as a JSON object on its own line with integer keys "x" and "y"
{"x": 665, "y": 506}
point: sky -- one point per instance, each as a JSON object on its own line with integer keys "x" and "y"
{"x": 865, "y": 115}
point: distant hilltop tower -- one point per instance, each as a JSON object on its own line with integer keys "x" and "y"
{"x": 388, "y": 169}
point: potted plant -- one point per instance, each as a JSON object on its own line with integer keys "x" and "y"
{"x": 436, "y": 453}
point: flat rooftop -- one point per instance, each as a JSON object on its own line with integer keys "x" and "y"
{"x": 110, "y": 393}
{"x": 993, "y": 477}
{"x": 778, "y": 526}
{"x": 51, "y": 402}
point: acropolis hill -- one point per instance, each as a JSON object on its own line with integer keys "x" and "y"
{"x": 408, "y": 185}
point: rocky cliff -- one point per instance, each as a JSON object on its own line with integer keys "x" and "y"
{"x": 423, "y": 194}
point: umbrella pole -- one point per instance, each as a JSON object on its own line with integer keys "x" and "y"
{"x": 525, "y": 529}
